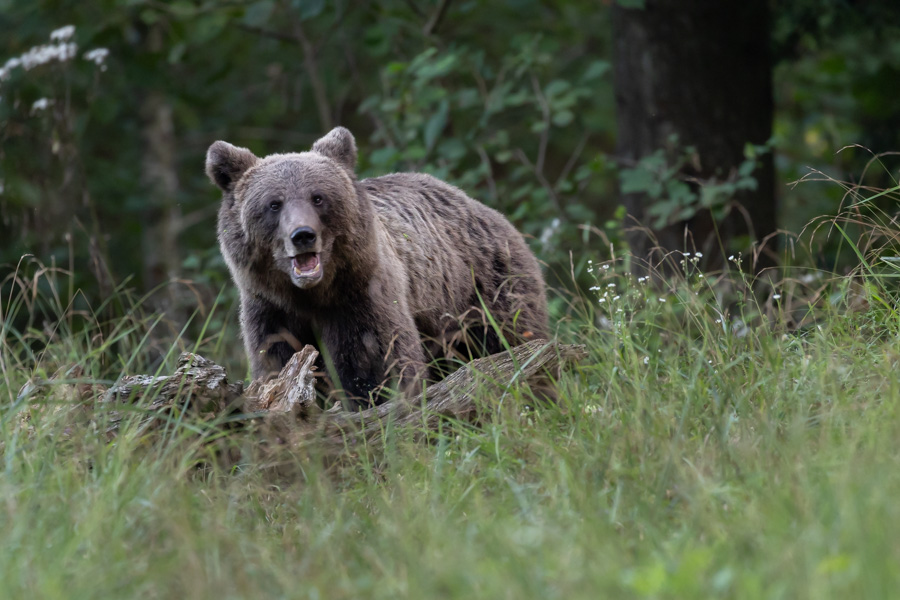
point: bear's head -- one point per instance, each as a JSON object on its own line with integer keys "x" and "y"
{"x": 294, "y": 211}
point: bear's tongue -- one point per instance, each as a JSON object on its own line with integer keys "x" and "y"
{"x": 305, "y": 264}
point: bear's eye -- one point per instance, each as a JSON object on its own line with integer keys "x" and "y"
{"x": 275, "y": 205}
{"x": 317, "y": 199}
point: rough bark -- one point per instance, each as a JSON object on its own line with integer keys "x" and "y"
{"x": 699, "y": 70}
{"x": 162, "y": 260}
{"x": 286, "y": 405}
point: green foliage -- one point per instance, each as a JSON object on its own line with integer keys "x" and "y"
{"x": 423, "y": 102}
{"x": 519, "y": 129}
{"x": 524, "y": 123}
{"x": 836, "y": 62}
{"x": 674, "y": 196}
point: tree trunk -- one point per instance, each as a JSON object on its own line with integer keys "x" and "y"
{"x": 161, "y": 255}
{"x": 699, "y": 72}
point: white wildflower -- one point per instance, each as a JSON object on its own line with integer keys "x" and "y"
{"x": 98, "y": 57}
{"x": 662, "y": 299}
{"x": 592, "y": 409}
{"x": 611, "y": 285}
{"x": 642, "y": 279}
{"x": 40, "y": 104}
{"x": 731, "y": 257}
{"x": 548, "y": 232}
{"x": 699, "y": 255}
{"x": 776, "y": 296}
{"x": 7, "y": 68}
{"x": 646, "y": 360}
{"x": 605, "y": 267}
{"x": 62, "y": 34}
{"x": 40, "y": 55}
{"x": 67, "y": 51}
{"x": 595, "y": 288}
{"x": 616, "y": 298}
{"x": 601, "y": 300}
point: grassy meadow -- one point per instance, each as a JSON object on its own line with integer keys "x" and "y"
{"x": 722, "y": 440}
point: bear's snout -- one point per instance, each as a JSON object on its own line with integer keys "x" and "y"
{"x": 306, "y": 267}
{"x": 303, "y": 238}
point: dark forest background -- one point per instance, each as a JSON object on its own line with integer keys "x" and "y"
{"x": 576, "y": 119}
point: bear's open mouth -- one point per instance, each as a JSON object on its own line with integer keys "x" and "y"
{"x": 306, "y": 265}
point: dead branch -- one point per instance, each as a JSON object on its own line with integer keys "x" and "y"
{"x": 287, "y": 404}
{"x": 435, "y": 20}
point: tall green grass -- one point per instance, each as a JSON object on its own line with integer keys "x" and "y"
{"x": 724, "y": 439}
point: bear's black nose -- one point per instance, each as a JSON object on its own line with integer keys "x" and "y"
{"x": 303, "y": 237}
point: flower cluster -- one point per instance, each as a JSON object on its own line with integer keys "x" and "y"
{"x": 41, "y": 55}
{"x": 62, "y": 34}
{"x": 98, "y": 57}
{"x": 609, "y": 294}
{"x": 590, "y": 268}
{"x": 60, "y": 49}
{"x": 689, "y": 264}
{"x": 41, "y": 104}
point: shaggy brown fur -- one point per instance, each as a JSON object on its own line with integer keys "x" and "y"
{"x": 381, "y": 275}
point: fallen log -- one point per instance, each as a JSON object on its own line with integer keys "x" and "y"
{"x": 287, "y": 405}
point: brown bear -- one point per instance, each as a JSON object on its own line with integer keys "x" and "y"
{"x": 381, "y": 275}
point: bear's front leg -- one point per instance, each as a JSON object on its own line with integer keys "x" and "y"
{"x": 271, "y": 336}
{"x": 373, "y": 349}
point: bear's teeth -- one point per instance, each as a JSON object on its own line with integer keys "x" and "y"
{"x": 298, "y": 267}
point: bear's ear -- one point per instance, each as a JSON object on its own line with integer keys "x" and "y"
{"x": 226, "y": 164}
{"x": 339, "y": 146}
